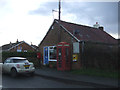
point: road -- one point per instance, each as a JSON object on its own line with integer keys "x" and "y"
{"x": 26, "y": 81}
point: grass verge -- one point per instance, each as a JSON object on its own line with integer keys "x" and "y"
{"x": 96, "y": 72}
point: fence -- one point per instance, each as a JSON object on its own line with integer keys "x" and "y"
{"x": 102, "y": 56}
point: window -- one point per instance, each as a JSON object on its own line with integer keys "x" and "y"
{"x": 52, "y": 27}
{"x": 59, "y": 53}
{"x": 19, "y": 49}
{"x": 25, "y": 50}
{"x": 59, "y": 57}
{"x": 87, "y": 35}
{"x": 76, "y": 31}
{"x": 7, "y": 61}
{"x": 52, "y": 52}
{"x": 80, "y": 35}
{"x": 20, "y": 60}
{"x": 67, "y": 54}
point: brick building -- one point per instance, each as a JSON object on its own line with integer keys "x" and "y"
{"x": 21, "y": 46}
{"x": 77, "y": 36}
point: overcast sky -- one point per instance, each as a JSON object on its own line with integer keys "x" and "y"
{"x": 29, "y": 20}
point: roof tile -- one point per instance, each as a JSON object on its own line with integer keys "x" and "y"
{"x": 87, "y": 33}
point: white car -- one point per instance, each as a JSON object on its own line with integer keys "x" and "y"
{"x": 18, "y": 65}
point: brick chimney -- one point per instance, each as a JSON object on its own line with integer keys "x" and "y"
{"x": 17, "y": 41}
{"x": 10, "y": 43}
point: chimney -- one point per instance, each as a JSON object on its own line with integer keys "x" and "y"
{"x": 101, "y": 28}
{"x": 31, "y": 44}
{"x": 17, "y": 41}
{"x": 96, "y": 25}
{"x": 10, "y": 43}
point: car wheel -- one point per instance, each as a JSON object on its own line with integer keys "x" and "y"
{"x": 13, "y": 72}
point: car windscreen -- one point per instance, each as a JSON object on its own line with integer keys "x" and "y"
{"x": 20, "y": 60}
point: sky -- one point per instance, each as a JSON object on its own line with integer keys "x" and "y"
{"x": 29, "y": 20}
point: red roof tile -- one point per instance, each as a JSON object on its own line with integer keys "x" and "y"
{"x": 86, "y": 33}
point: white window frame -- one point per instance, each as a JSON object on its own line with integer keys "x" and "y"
{"x": 49, "y": 53}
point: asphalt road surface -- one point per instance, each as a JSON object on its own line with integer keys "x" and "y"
{"x": 26, "y": 81}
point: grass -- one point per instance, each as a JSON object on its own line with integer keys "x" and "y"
{"x": 96, "y": 72}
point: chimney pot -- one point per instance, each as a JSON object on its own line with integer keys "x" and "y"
{"x": 101, "y": 28}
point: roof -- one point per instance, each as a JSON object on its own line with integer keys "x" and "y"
{"x": 36, "y": 47}
{"x": 87, "y": 33}
{"x": 9, "y": 46}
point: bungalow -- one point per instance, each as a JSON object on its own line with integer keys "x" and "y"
{"x": 21, "y": 46}
{"x": 74, "y": 34}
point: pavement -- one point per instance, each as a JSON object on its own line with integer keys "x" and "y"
{"x": 67, "y": 77}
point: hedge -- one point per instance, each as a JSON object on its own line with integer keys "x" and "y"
{"x": 31, "y": 56}
{"x": 19, "y": 54}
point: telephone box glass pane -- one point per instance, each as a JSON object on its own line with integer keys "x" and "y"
{"x": 59, "y": 57}
{"x": 66, "y": 54}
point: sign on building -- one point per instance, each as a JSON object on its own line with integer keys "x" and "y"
{"x": 75, "y": 57}
{"x": 76, "y": 48}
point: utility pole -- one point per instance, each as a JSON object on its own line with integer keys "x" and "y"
{"x": 59, "y": 30}
{"x": 59, "y": 9}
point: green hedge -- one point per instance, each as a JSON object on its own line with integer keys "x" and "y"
{"x": 19, "y": 54}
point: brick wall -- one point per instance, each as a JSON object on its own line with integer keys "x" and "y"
{"x": 52, "y": 38}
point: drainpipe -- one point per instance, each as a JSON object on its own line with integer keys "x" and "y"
{"x": 83, "y": 46}
{"x": 83, "y": 60}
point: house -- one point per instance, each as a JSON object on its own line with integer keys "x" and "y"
{"x": 21, "y": 46}
{"x": 77, "y": 36}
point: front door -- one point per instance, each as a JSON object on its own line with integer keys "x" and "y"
{"x": 46, "y": 55}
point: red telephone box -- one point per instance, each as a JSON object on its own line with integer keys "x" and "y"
{"x": 63, "y": 56}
